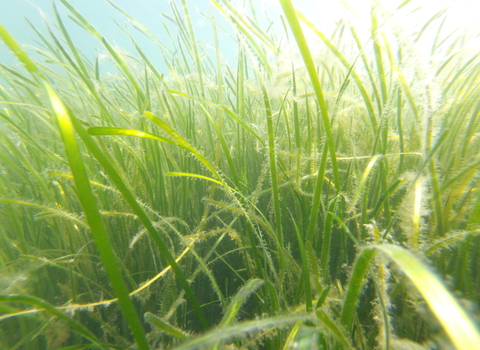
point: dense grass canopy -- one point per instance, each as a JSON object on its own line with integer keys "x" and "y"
{"x": 321, "y": 192}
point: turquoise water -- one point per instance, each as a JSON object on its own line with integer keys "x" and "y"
{"x": 101, "y": 15}
{"x": 13, "y": 15}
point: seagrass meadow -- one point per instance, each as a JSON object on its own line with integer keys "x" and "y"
{"x": 318, "y": 191}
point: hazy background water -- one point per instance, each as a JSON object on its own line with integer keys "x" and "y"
{"x": 149, "y": 13}
{"x": 101, "y": 15}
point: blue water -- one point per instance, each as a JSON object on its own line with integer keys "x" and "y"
{"x": 147, "y": 12}
{"x": 100, "y": 14}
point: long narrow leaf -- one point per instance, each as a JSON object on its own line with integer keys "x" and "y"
{"x": 94, "y": 219}
{"x": 292, "y": 18}
{"x": 462, "y": 331}
{"x": 42, "y": 304}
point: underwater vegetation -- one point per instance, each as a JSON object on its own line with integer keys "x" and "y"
{"x": 322, "y": 192}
